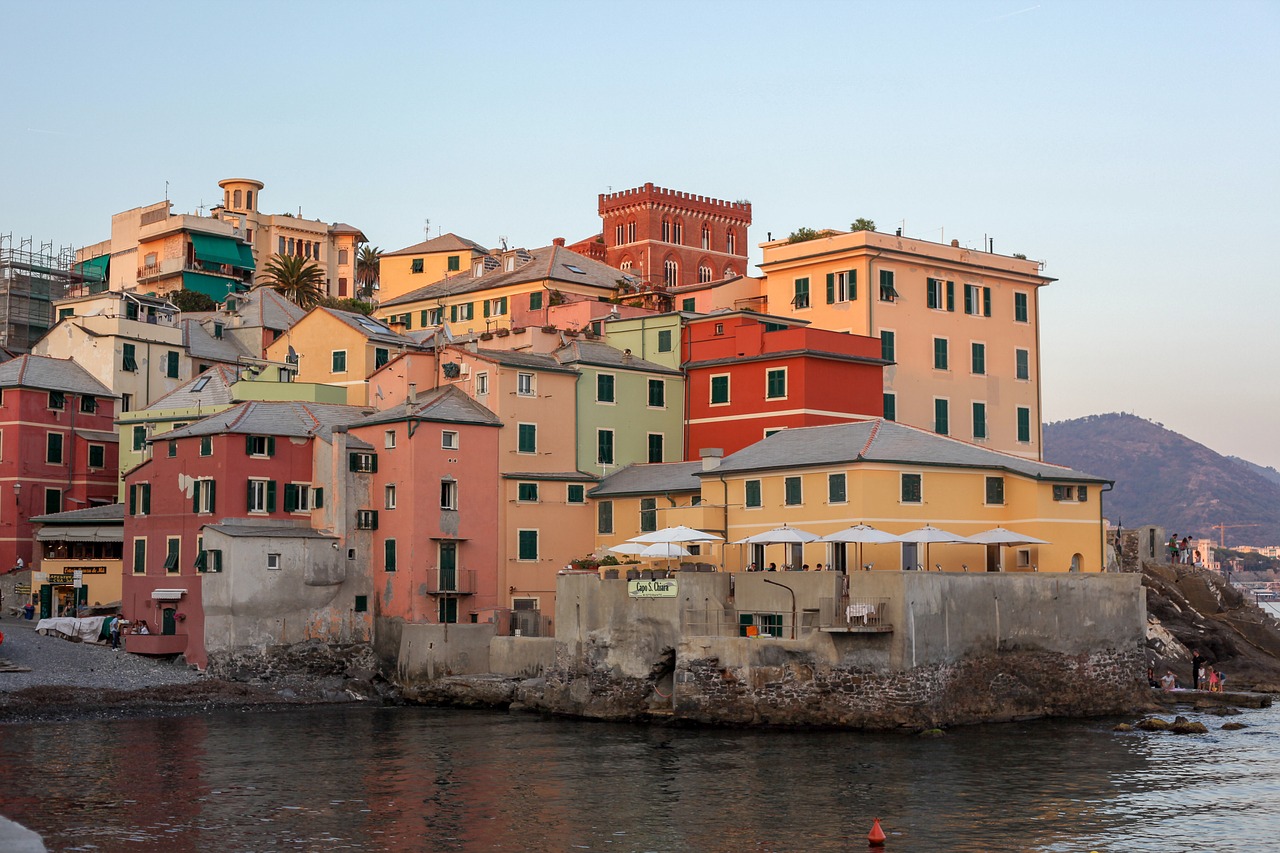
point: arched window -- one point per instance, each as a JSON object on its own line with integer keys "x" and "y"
{"x": 666, "y": 230}
{"x": 619, "y": 235}
{"x": 235, "y": 200}
{"x": 625, "y": 265}
{"x": 731, "y": 243}
{"x": 671, "y": 273}
{"x": 291, "y": 246}
{"x": 704, "y": 273}
{"x": 706, "y": 236}
{"x": 631, "y": 231}
{"x": 248, "y": 199}
{"x": 677, "y": 233}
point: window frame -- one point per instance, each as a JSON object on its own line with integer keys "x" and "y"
{"x": 529, "y": 430}
{"x": 793, "y": 491}
{"x": 843, "y": 479}
{"x": 942, "y": 415}
{"x": 748, "y": 488}
{"x": 801, "y": 299}
{"x": 1022, "y": 364}
{"x": 449, "y": 439}
{"x": 770, "y": 375}
{"x": 604, "y": 517}
{"x": 527, "y": 492}
{"x": 338, "y": 361}
{"x": 661, "y": 447}
{"x": 521, "y": 541}
{"x": 389, "y": 496}
{"x": 994, "y": 488}
{"x": 49, "y": 442}
{"x": 448, "y": 493}
{"x": 601, "y": 443}
{"x": 911, "y": 484}
{"x": 980, "y": 424}
{"x": 977, "y": 358}
{"x": 712, "y": 381}
{"x": 575, "y": 497}
{"x": 661, "y": 386}
{"x": 525, "y": 385}
{"x": 941, "y": 353}
{"x": 607, "y": 388}
{"x": 889, "y": 346}
{"x": 1021, "y": 307}
{"x": 1024, "y": 428}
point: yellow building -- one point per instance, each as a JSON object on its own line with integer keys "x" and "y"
{"x": 961, "y": 326}
{"x": 410, "y": 268}
{"x": 80, "y": 558}
{"x": 332, "y": 347}
{"x": 894, "y": 477}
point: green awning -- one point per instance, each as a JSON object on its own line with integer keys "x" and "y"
{"x": 95, "y": 269}
{"x": 246, "y": 256}
{"x": 213, "y": 286}
{"x": 214, "y": 249}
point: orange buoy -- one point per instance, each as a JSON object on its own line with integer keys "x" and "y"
{"x": 876, "y": 836}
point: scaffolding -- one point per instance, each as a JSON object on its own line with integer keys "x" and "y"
{"x": 31, "y": 279}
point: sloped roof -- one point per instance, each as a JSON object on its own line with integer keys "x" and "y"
{"x": 373, "y": 329}
{"x": 265, "y": 307}
{"x": 444, "y": 243}
{"x": 88, "y": 515}
{"x": 215, "y": 390}
{"x": 200, "y": 343}
{"x": 599, "y": 354}
{"x": 273, "y": 532}
{"x": 446, "y": 404}
{"x": 531, "y": 360}
{"x": 290, "y": 419}
{"x": 550, "y": 263}
{"x": 879, "y": 440}
{"x": 50, "y": 374}
{"x": 344, "y": 228}
{"x": 651, "y": 478}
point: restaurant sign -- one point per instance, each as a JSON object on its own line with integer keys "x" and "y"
{"x": 651, "y": 589}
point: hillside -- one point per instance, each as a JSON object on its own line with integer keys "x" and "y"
{"x": 1165, "y": 478}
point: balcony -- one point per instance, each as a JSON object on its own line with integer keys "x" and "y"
{"x": 854, "y": 615}
{"x": 451, "y": 581}
{"x": 155, "y": 644}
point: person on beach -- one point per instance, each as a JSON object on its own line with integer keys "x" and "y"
{"x": 1173, "y": 549}
{"x": 1197, "y": 661}
{"x": 1169, "y": 681}
{"x": 1185, "y": 550}
{"x": 1222, "y": 680}
{"x": 1202, "y": 677}
{"x": 1214, "y": 683}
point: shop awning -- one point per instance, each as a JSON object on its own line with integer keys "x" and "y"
{"x": 215, "y": 249}
{"x": 212, "y": 286}
{"x": 81, "y": 533}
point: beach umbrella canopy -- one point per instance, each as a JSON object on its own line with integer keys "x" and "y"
{"x": 861, "y": 533}
{"x": 1001, "y": 536}
{"x": 783, "y": 535}
{"x": 663, "y": 550}
{"x": 631, "y": 548}
{"x": 677, "y": 534}
{"x": 928, "y": 534}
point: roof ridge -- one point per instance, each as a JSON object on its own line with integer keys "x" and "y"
{"x": 314, "y": 418}
{"x": 22, "y": 369}
{"x": 875, "y": 430}
{"x": 245, "y": 408}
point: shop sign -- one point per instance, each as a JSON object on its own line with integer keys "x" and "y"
{"x": 651, "y": 589}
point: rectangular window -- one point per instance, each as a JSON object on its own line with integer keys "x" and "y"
{"x": 664, "y": 340}
{"x": 752, "y": 498}
{"x": 1022, "y": 363}
{"x": 604, "y": 517}
{"x": 261, "y": 496}
{"x": 720, "y": 390}
{"x": 88, "y": 404}
{"x": 449, "y": 439}
{"x": 389, "y": 439}
{"x": 139, "y": 439}
{"x": 339, "y": 361}
{"x": 140, "y": 555}
{"x": 448, "y": 494}
{"x": 97, "y": 456}
{"x": 524, "y": 384}
{"x": 171, "y": 365}
{"x": 842, "y": 286}
{"x": 173, "y": 448}
{"x": 363, "y": 463}
{"x": 129, "y": 359}
{"x": 528, "y": 438}
{"x": 657, "y": 394}
{"x": 260, "y": 445}
{"x": 792, "y": 494}
{"x": 381, "y": 355}
{"x": 972, "y": 299}
{"x": 655, "y": 447}
{"x": 1024, "y": 425}
{"x": 53, "y": 448}
{"x": 890, "y": 406}
{"x": 53, "y": 500}
{"x": 911, "y": 489}
{"x": 1082, "y": 493}
{"x": 126, "y": 402}
{"x": 361, "y": 604}
{"x": 648, "y": 515}
{"x": 604, "y": 446}
{"x": 995, "y": 491}
{"x": 888, "y": 293}
{"x": 206, "y": 445}
{"x": 202, "y": 496}
{"x": 173, "y": 551}
{"x": 605, "y": 388}
{"x": 527, "y": 492}
{"x": 978, "y": 359}
{"x": 939, "y": 353}
{"x": 366, "y": 519}
{"x": 389, "y": 555}
{"x": 273, "y": 562}
{"x": 801, "y": 297}
{"x": 482, "y": 384}
{"x": 935, "y": 294}
{"x": 979, "y": 421}
{"x": 57, "y": 400}
{"x": 455, "y": 263}
{"x": 389, "y": 496}
{"x": 416, "y": 265}
{"x": 941, "y": 417}
{"x": 1020, "y": 307}
{"x": 140, "y": 499}
{"x": 776, "y": 384}
{"x": 836, "y": 489}
{"x": 527, "y": 550}
{"x": 888, "y": 345}
{"x": 690, "y": 304}
{"x": 577, "y": 493}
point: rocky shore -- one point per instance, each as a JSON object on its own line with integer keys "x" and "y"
{"x": 50, "y": 678}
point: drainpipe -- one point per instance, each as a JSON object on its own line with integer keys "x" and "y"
{"x": 1103, "y": 528}
{"x": 793, "y": 603}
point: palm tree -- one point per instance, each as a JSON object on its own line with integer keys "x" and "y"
{"x": 299, "y": 279}
{"x": 367, "y": 270}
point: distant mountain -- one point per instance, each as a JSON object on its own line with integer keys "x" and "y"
{"x": 1165, "y": 478}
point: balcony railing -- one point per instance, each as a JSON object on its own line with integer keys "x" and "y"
{"x": 847, "y": 615}
{"x": 451, "y": 581}
{"x": 854, "y": 615}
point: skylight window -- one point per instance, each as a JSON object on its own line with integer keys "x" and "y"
{"x": 200, "y": 383}
{"x": 572, "y": 268}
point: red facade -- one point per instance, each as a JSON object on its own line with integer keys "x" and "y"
{"x": 749, "y": 375}
{"x": 46, "y": 442}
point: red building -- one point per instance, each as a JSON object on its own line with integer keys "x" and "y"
{"x": 671, "y": 238}
{"x": 58, "y": 446}
{"x": 750, "y": 375}
{"x": 435, "y": 509}
{"x": 269, "y": 481}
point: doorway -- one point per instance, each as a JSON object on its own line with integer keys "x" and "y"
{"x": 168, "y": 622}
{"x": 910, "y": 556}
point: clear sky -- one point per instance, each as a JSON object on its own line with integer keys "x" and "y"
{"x": 1131, "y": 146}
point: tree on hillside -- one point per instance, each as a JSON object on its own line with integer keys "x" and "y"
{"x": 192, "y": 300}
{"x": 861, "y": 224}
{"x": 298, "y": 279}
{"x": 802, "y": 235}
{"x": 367, "y": 269}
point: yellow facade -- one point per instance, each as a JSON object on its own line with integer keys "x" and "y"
{"x": 485, "y": 310}
{"x": 408, "y": 269}
{"x": 333, "y": 351}
{"x": 974, "y": 340}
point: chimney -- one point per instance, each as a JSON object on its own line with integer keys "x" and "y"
{"x": 711, "y": 457}
{"x": 955, "y": 244}
{"x": 413, "y": 393}
{"x": 559, "y": 241}
{"x": 626, "y": 355}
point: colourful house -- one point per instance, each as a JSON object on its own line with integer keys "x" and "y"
{"x": 79, "y": 558}
{"x": 58, "y": 447}
{"x": 435, "y": 505}
{"x": 653, "y": 337}
{"x": 643, "y": 498}
{"x": 410, "y": 268}
{"x": 959, "y": 326}
{"x": 751, "y": 375}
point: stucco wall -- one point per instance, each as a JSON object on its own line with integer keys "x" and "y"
{"x": 428, "y": 652}
{"x": 521, "y": 657}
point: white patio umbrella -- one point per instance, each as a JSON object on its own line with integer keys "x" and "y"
{"x": 860, "y": 534}
{"x": 630, "y": 548}
{"x": 999, "y": 537}
{"x": 679, "y": 533}
{"x": 660, "y": 550}
{"x": 783, "y": 535}
{"x": 929, "y": 534}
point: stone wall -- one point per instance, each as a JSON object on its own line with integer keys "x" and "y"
{"x": 428, "y": 652}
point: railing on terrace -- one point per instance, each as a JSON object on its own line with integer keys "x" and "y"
{"x": 854, "y": 614}
{"x": 451, "y": 582}
{"x": 850, "y": 614}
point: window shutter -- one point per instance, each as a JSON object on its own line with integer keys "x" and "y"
{"x": 852, "y": 280}
{"x": 831, "y": 288}
{"x": 248, "y": 501}
{"x": 213, "y": 494}
{"x": 986, "y": 302}
{"x": 486, "y": 308}
{"x": 373, "y": 463}
{"x": 968, "y": 300}
{"x": 373, "y": 519}
{"x": 317, "y": 499}
{"x": 146, "y": 499}
{"x": 195, "y": 497}
{"x": 931, "y": 294}
{"x": 271, "y": 445}
{"x": 951, "y": 296}
{"x": 271, "y": 496}
{"x": 502, "y": 305}
{"x": 453, "y": 313}
{"x": 133, "y": 500}
{"x": 217, "y": 560}
{"x": 290, "y": 497}
{"x": 352, "y": 464}
{"x": 248, "y": 445}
